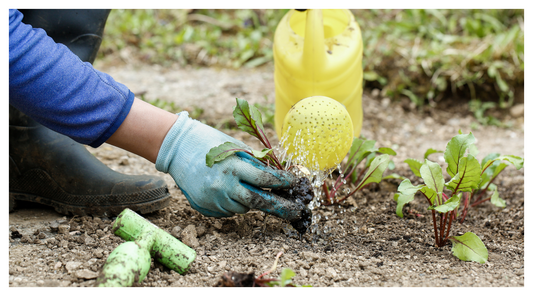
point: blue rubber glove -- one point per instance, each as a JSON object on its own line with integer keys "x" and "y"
{"x": 229, "y": 186}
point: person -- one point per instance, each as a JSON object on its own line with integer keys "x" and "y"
{"x": 59, "y": 101}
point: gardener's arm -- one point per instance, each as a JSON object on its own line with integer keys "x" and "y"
{"x": 143, "y": 130}
{"x": 53, "y": 86}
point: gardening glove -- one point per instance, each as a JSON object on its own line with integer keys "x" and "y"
{"x": 230, "y": 186}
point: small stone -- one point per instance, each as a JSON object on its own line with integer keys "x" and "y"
{"x": 63, "y": 229}
{"x": 200, "y": 230}
{"x": 217, "y": 225}
{"x": 188, "y": 236}
{"x": 72, "y": 266}
{"x": 385, "y": 102}
{"x": 26, "y": 239}
{"x": 89, "y": 241}
{"x": 517, "y": 110}
{"x": 176, "y": 232}
{"x": 331, "y": 273}
{"x": 222, "y": 264}
{"x": 98, "y": 253}
{"x": 86, "y": 274}
{"x": 42, "y": 235}
{"x": 375, "y": 92}
{"x": 58, "y": 265}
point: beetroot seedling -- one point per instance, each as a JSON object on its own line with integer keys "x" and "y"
{"x": 373, "y": 170}
{"x": 249, "y": 119}
{"x": 467, "y": 178}
{"x": 237, "y": 279}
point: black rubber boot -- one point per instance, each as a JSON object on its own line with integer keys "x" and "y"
{"x": 52, "y": 169}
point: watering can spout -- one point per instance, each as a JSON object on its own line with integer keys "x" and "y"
{"x": 314, "y": 54}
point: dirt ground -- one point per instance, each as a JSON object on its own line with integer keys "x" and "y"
{"x": 365, "y": 244}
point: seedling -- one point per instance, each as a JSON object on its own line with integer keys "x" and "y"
{"x": 249, "y": 119}
{"x": 235, "y": 279}
{"x": 360, "y": 150}
{"x": 467, "y": 177}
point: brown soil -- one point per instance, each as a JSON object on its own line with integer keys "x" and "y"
{"x": 366, "y": 244}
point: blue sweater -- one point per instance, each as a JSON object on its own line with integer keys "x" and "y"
{"x": 54, "y": 87}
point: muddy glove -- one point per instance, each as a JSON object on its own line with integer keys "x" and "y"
{"x": 229, "y": 186}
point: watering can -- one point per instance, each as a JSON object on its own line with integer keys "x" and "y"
{"x": 318, "y": 53}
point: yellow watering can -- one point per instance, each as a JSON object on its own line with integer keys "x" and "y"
{"x": 318, "y": 53}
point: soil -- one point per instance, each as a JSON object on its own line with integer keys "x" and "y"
{"x": 361, "y": 243}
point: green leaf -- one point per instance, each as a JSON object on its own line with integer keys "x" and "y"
{"x": 248, "y": 119}
{"x": 261, "y": 154}
{"x": 407, "y": 194}
{"x": 431, "y": 151}
{"x": 491, "y": 156}
{"x": 375, "y": 172}
{"x": 394, "y": 176}
{"x": 391, "y": 166}
{"x": 386, "y": 150}
{"x": 517, "y": 161}
{"x": 496, "y": 200}
{"x": 431, "y": 172}
{"x": 415, "y": 165}
{"x": 222, "y": 151}
{"x": 455, "y": 149}
{"x": 472, "y": 149}
{"x": 468, "y": 176}
{"x": 286, "y": 276}
{"x": 449, "y": 205}
{"x": 429, "y": 193}
{"x": 360, "y": 149}
{"x": 468, "y": 247}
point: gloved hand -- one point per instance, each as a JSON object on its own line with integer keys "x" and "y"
{"x": 230, "y": 186}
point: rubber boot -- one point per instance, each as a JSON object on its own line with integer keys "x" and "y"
{"x": 49, "y": 168}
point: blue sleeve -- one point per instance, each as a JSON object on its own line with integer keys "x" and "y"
{"x": 54, "y": 87}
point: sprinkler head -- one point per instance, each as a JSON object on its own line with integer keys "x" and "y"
{"x": 317, "y": 133}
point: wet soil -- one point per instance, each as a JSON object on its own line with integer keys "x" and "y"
{"x": 365, "y": 244}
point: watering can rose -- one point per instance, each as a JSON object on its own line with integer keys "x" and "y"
{"x": 317, "y": 133}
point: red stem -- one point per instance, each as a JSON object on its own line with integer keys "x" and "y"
{"x": 449, "y": 226}
{"x": 477, "y": 203}
{"x": 435, "y": 228}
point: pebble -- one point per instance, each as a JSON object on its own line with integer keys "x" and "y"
{"x": 72, "y": 266}
{"x": 200, "y": 230}
{"x": 331, "y": 273}
{"x": 517, "y": 110}
{"x": 86, "y": 274}
{"x": 176, "y": 232}
{"x": 188, "y": 236}
{"x": 63, "y": 229}
{"x": 58, "y": 265}
{"x": 98, "y": 253}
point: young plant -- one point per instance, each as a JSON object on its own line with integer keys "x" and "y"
{"x": 491, "y": 166}
{"x": 373, "y": 170}
{"x": 467, "y": 177}
{"x": 236, "y": 279}
{"x": 249, "y": 119}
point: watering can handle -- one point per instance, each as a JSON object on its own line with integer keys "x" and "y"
{"x": 314, "y": 55}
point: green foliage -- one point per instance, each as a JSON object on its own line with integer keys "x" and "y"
{"x": 221, "y": 37}
{"x": 424, "y": 53}
{"x": 468, "y": 247}
{"x": 375, "y": 172}
{"x": 249, "y": 120}
{"x": 469, "y": 181}
{"x": 418, "y": 53}
{"x": 374, "y": 168}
